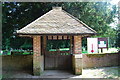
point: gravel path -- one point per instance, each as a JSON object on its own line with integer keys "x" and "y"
{"x": 104, "y": 72}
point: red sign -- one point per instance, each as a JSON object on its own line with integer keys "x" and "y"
{"x": 92, "y": 49}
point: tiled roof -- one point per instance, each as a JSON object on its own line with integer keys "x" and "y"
{"x": 56, "y": 21}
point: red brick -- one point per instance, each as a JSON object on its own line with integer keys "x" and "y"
{"x": 77, "y": 44}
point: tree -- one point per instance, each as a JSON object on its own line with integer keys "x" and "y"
{"x": 17, "y": 15}
{"x": 118, "y": 36}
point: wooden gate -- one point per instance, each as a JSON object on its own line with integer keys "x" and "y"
{"x": 58, "y": 60}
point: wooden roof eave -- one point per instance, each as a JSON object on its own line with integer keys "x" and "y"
{"x": 73, "y": 34}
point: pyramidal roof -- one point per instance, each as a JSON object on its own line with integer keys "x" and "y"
{"x": 56, "y": 21}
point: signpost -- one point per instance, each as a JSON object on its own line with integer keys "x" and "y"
{"x": 102, "y": 43}
{"x": 93, "y": 44}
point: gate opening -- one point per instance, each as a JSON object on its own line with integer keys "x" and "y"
{"x": 57, "y": 55}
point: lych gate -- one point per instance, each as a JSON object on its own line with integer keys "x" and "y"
{"x": 58, "y": 59}
{"x": 56, "y": 25}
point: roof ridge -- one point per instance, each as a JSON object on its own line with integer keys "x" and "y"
{"x": 79, "y": 21}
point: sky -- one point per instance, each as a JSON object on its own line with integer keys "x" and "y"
{"x": 114, "y": 2}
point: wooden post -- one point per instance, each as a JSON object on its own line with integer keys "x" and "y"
{"x": 44, "y": 44}
{"x": 71, "y": 44}
{"x": 101, "y": 50}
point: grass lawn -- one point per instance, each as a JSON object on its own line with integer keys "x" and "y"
{"x": 109, "y": 50}
{"x": 16, "y": 52}
{"x": 20, "y": 52}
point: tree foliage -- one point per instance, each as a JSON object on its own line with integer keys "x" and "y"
{"x": 118, "y": 36}
{"x": 16, "y": 15}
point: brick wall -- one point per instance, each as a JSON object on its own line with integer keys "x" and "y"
{"x": 37, "y": 58}
{"x": 77, "y": 64}
{"x": 101, "y": 60}
{"x": 17, "y": 62}
{"x": 77, "y": 44}
{"x": 77, "y": 61}
{"x": 24, "y": 62}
